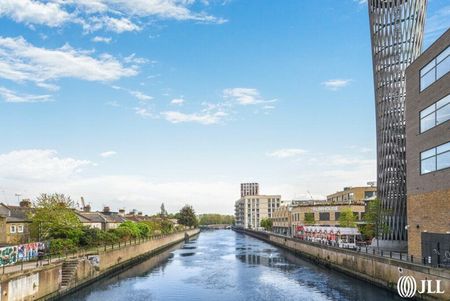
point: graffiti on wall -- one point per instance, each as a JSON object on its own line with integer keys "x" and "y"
{"x": 8, "y": 255}
{"x": 25, "y": 252}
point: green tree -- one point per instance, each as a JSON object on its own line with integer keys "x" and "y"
{"x": 54, "y": 218}
{"x": 266, "y": 223}
{"x": 166, "y": 226}
{"x": 215, "y": 219}
{"x": 133, "y": 228}
{"x": 309, "y": 218}
{"x": 187, "y": 217}
{"x": 372, "y": 226}
{"x": 347, "y": 218}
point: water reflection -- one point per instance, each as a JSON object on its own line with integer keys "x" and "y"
{"x": 223, "y": 265}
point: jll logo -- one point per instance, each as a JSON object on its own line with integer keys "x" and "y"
{"x": 407, "y": 287}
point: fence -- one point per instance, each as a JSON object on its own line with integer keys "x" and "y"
{"x": 46, "y": 258}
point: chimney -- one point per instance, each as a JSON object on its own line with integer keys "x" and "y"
{"x": 25, "y": 203}
{"x": 106, "y": 209}
{"x": 139, "y": 213}
{"x": 121, "y": 212}
{"x": 87, "y": 208}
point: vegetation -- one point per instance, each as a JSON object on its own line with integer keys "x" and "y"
{"x": 187, "y": 217}
{"x": 309, "y": 218}
{"x": 266, "y": 223}
{"x": 54, "y": 218}
{"x": 347, "y": 218}
{"x": 372, "y": 227}
{"x": 216, "y": 219}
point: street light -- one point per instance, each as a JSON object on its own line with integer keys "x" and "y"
{"x": 18, "y": 196}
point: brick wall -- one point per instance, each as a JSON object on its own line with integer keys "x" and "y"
{"x": 431, "y": 212}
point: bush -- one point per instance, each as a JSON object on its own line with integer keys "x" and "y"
{"x": 144, "y": 230}
{"x": 61, "y": 246}
{"x": 132, "y": 228}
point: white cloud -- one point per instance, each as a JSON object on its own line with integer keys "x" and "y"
{"x": 21, "y": 61}
{"x": 32, "y": 172}
{"x": 287, "y": 153}
{"x": 115, "y": 24}
{"x": 205, "y": 118}
{"x": 38, "y": 164}
{"x": 336, "y": 84}
{"x": 98, "y": 39}
{"x": 102, "y": 14}
{"x": 141, "y": 96}
{"x": 245, "y": 96}
{"x": 360, "y": 1}
{"x": 11, "y": 96}
{"x": 143, "y": 112}
{"x": 34, "y": 12}
{"x": 108, "y": 154}
{"x": 177, "y": 101}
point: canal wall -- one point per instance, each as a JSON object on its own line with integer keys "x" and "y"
{"x": 58, "y": 279}
{"x": 381, "y": 271}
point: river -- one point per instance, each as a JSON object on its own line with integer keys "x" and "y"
{"x": 224, "y": 265}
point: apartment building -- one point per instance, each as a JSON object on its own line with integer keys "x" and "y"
{"x": 249, "y": 189}
{"x": 428, "y": 153}
{"x": 251, "y": 209}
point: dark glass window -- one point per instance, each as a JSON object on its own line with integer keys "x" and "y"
{"x": 324, "y": 216}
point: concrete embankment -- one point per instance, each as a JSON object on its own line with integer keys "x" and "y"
{"x": 382, "y": 271}
{"x": 55, "y": 280}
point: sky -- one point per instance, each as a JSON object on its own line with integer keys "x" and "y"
{"x": 131, "y": 103}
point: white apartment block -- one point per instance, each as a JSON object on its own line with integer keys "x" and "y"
{"x": 251, "y": 209}
{"x": 249, "y": 189}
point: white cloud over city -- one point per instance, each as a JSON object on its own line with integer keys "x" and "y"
{"x": 111, "y": 15}
{"x": 336, "y": 84}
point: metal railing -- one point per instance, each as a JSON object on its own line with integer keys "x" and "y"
{"x": 49, "y": 258}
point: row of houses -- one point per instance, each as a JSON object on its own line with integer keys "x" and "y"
{"x": 15, "y": 220}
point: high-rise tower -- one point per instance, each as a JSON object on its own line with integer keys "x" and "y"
{"x": 396, "y": 28}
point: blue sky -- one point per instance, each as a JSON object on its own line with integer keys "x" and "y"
{"x": 134, "y": 103}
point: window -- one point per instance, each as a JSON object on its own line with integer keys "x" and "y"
{"x": 324, "y": 216}
{"x": 20, "y": 229}
{"x": 12, "y": 229}
{"x": 337, "y": 215}
{"x": 437, "y": 68}
{"x": 437, "y": 113}
{"x": 435, "y": 159}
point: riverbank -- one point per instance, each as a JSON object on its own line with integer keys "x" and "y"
{"x": 55, "y": 280}
{"x": 383, "y": 272}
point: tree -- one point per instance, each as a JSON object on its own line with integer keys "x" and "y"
{"x": 54, "y": 218}
{"x": 215, "y": 219}
{"x": 163, "y": 211}
{"x": 266, "y": 223}
{"x": 309, "y": 218}
{"x": 347, "y": 218}
{"x": 372, "y": 216}
{"x": 187, "y": 217}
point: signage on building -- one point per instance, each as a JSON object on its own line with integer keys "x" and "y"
{"x": 328, "y": 208}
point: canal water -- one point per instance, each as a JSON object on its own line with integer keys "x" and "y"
{"x": 224, "y": 265}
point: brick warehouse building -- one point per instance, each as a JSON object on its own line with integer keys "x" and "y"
{"x": 428, "y": 153}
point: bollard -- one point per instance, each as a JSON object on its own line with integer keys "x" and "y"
{"x": 390, "y": 254}
{"x": 381, "y": 253}
{"x": 373, "y": 251}
{"x": 401, "y": 256}
{"x": 412, "y": 258}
